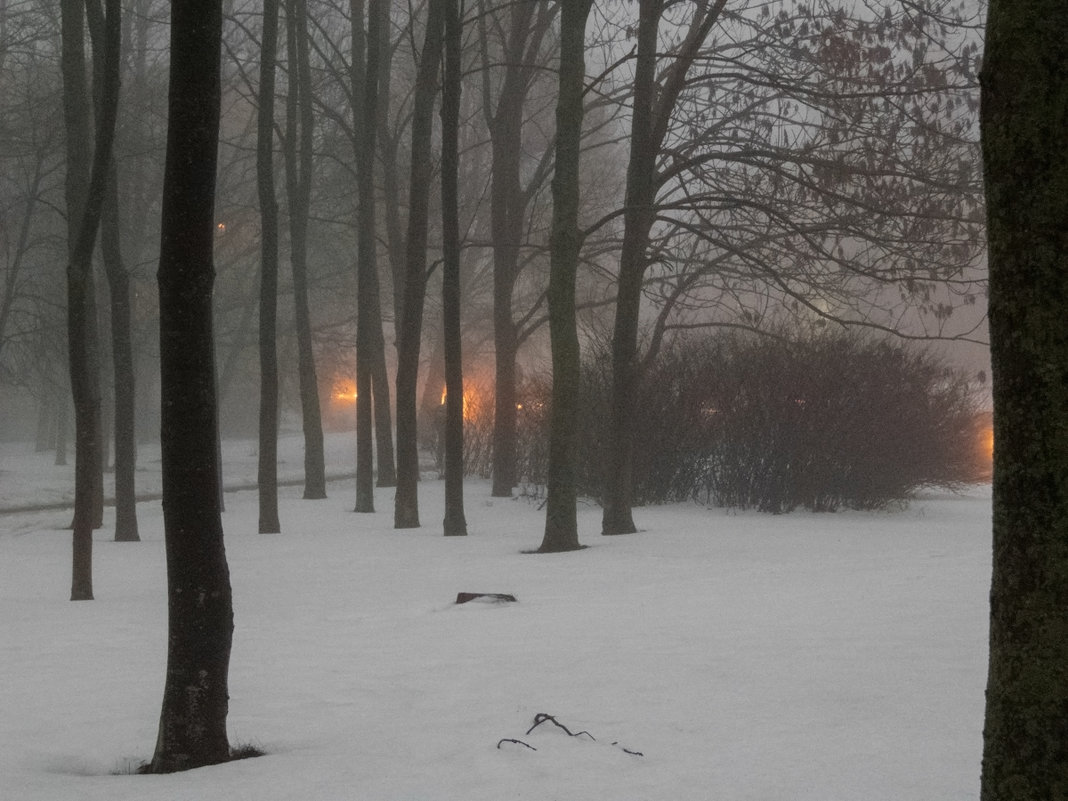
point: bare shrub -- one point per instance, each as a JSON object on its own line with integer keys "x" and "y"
{"x": 820, "y": 422}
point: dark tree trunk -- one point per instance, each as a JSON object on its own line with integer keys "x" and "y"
{"x": 638, "y": 219}
{"x": 377, "y": 109}
{"x": 192, "y": 729}
{"x": 364, "y": 94}
{"x": 267, "y": 476}
{"x": 46, "y": 418}
{"x": 374, "y": 419}
{"x": 300, "y": 131}
{"x": 652, "y": 109}
{"x": 561, "y": 517}
{"x": 122, "y": 355}
{"x": 409, "y": 334}
{"x": 1024, "y": 127}
{"x": 507, "y": 217}
{"x": 121, "y": 342}
{"x": 388, "y": 146}
{"x": 386, "y": 462}
{"x": 62, "y": 415}
{"x": 455, "y": 522}
{"x": 85, "y": 197}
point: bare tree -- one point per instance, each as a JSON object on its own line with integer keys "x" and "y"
{"x": 299, "y": 166}
{"x": 267, "y": 476}
{"x": 372, "y": 381}
{"x": 192, "y": 728}
{"x": 561, "y": 517}
{"x": 528, "y": 24}
{"x": 410, "y": 325}
{"x": 86, "y": 192}
{"x": 455, "y": 522}
{"x": 817, "y": 161}
{"x": 119, "y": 290}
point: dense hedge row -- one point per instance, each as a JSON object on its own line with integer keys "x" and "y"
{"x": 772, "y": 424}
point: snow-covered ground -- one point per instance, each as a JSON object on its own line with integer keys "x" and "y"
{"x": 823, "y": 657}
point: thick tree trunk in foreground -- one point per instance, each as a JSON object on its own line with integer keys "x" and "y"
{"x": 561, "y": 515}
{"x": 300, "y": 130}
{"x": 1025, "y": 153}
{"x": 409, "y": 335}
{"x": 192, "y": 729}
{"x": 267, "y": 475}
{"x": 455, "y": 522}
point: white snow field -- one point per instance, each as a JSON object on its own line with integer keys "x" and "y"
{"x": 830, "y": 657}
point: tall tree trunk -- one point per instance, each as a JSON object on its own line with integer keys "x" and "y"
{"x": 638, "y": 218}
{"x": 299, "y": 168}
{"x": 1024, "y": 127}
{"x": 507, "y": 216}
{"x": 561, "y": 515}
{"x": 455, "y": 523}
{"x": 366, "y": 272}
{"x": 267, "y": 477}
{"x": 652, "y": 109}
{"x": 192, "y": 729}
{"x": 86, "y": 186}
{"x": 62, "y": 420}
{"x": 409, "y": 334}
{"x": 377, "y": 108}
{"x": 45, "y": 421}
{"x": 121, "y": 342}
{"x": 372, "y": 402}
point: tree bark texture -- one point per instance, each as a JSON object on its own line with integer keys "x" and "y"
{"x": 1024, "y": 125}
{"x": 192, "y": 729}
{"x": 455, "y": 523}
{"x": 267, "y": 475}
{"x": 300, "y": 130}
{"x": 409, "y": 334}
{"x": 561, "y": 517}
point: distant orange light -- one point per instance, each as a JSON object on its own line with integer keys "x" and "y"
{"x": 344, "y": 391}
{"x": 470, "y": 403}
{"x": 221, "y": 228}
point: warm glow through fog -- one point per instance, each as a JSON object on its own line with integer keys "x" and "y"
{"x": 471, "y": 402}
{"x": 344, "y": 391}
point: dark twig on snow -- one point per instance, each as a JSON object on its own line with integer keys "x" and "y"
{"x": 541, "y": 717}
{"x": 517, "y": 742}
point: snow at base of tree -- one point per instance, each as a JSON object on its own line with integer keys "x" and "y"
{"x": 795, "y": 657}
